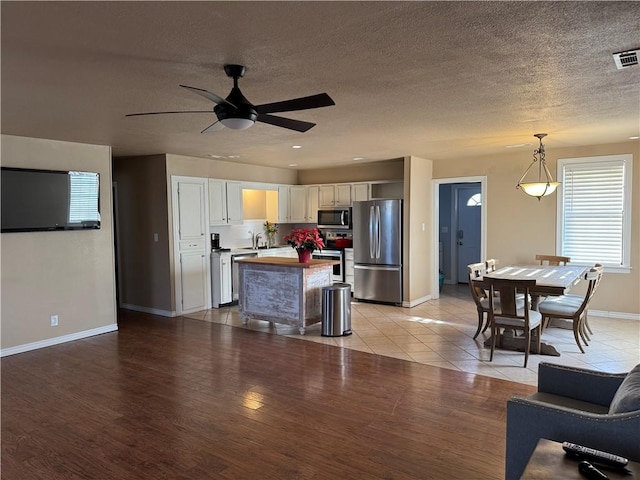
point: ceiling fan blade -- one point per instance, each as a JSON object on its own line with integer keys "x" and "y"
{"x": 214, "y": 127}
{"x": 162, "y": 113}
{"x": 207, "y": 94}
{"x": 302, "y": 103}
{"x": 297, "y": 125}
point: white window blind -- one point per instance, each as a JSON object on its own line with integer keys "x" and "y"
{"x": 83, "y": 204}
{"x": 594, "y": 217}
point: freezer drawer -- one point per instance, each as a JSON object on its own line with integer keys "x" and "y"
{"x": 378, "y": 283}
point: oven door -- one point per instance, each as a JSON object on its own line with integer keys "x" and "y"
{"x": 337, "y": 275}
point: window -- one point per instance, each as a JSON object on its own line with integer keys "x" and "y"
{"x": 83, "y": 190}
{"x": 594, "y": 210}
{"x": 475, "y": 200}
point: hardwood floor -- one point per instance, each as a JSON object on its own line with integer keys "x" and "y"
{"x": 185, "y": 399}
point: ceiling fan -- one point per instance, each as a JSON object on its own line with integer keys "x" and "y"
{"x": 238, "y": 113}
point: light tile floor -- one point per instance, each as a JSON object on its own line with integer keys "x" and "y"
{"x": 440, "y": 333}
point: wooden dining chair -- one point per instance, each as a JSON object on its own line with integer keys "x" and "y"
{"x": 505, "y": 313}
{"x": 479, "y": 295}
{"x": 553, "y": 259}
{"x": 491, "y": 265}
{"x": 573, "y": 307}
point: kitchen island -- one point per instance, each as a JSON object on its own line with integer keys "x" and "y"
{"x": 282, "y": 290}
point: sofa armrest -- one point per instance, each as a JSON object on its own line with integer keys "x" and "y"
{"x": 579, "y": 383}
{"x": 529, "y": 420}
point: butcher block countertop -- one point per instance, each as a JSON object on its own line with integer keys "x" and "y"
{"x": 286, "y": 262}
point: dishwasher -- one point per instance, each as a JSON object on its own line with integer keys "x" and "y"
{"x": 235, "y": 277}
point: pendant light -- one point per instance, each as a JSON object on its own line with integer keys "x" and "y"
{"x": 544, "y": 186}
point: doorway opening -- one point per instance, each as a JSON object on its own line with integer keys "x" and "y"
{"x": 459, "y": 227}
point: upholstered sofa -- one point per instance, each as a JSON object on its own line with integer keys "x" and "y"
{"x": 596, "y": 409}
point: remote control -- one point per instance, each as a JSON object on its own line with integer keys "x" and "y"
{"x": 596, "y": 456}
{"x": 590, "y": 472}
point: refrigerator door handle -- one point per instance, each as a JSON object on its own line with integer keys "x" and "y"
{"x": 394, "y": 268}
{"x": 372, "y": 245}
{"x": 378, "y": 231}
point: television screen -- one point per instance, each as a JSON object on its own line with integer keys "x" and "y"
{"x": 45, "y": 200}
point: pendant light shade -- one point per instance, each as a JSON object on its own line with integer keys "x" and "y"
{"x": 545, "y": 185}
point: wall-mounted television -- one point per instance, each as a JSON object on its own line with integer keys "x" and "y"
{"x": 48, "y": 200}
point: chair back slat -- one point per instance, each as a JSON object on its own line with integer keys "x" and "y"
{"x": 553, "y": 259}
{"x": 508, "y": 291}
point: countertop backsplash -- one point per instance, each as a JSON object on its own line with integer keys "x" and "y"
{"x": 239, "y": 236}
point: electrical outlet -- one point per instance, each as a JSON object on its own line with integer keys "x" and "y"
{"x": 54, "y": 320}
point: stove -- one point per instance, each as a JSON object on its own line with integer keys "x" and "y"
{"x": 335, "y": 243}
{"x": 337, "y": 240}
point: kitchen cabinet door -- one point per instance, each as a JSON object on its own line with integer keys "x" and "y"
{"x": 193, "y": 279}
{"x": 283, "y": 204}
{"x": 298, "y": 204}
{"x": 343, "y": 195}
{"x": 327, "y": 195}
{"x": 360, "y": 192}
{"x": 313, "y": 193}
{"x": 234, "y": 203}
{"x": 217, "y": 202}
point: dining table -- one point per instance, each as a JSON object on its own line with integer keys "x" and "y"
{"x": 551, "y": 280}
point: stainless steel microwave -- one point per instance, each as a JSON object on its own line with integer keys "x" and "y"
{"x": 335, "y": 218}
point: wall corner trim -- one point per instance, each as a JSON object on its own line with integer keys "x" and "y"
{"x": 58, "y": 340}
{"x": 415, "y": 302}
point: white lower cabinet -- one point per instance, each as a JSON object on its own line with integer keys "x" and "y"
{"x": 348, "y": 267}
{"x": 193, "y": 278}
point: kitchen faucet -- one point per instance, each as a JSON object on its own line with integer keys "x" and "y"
{"x": 256, "y": 240}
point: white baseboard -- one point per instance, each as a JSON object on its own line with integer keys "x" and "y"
{"x": 153, "y": 311}
{"x": 418, "y": 301}
{"x": 57, "y": 340}
{"x": 621, "y": 315}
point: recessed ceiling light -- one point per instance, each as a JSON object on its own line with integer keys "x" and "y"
{"x": 518, "y": 145}
{"x": 358, "y": 158}
{"x": 211, "y": 155}
{"x": 293, "y": 164}
{"x": 634, "y": 138}
{"x": 297, "y": 146}
{"x": 233, "y": 156}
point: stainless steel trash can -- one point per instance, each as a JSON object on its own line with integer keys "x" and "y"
{"x": 336, "y": 310}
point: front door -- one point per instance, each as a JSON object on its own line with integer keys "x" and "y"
{"x": 469, "y": 218}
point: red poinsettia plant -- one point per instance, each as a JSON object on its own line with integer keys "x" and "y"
{"x": 305, "y": 239}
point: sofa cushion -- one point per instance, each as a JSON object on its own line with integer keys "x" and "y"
{"x": 627, "y": 397}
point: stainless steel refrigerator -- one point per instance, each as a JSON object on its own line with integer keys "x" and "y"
{"x": 377, "y": 250}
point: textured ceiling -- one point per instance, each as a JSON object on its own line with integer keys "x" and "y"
{"x": 439, "y": 80}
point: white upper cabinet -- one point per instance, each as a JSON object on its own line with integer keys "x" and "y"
{"x": 234, "y": 203}
{"x": 360, "y": 192}
{"x": 283, "y": 204}
{"x": 225, "y": 202}
{"x": 343, "y": 195}
{"x": 217, "y": 202}
{"x": 298, "y": 204}
{"x": 313, "y": 193}
{"x": 335, "y": 195}
{"x": 327, "y": 196}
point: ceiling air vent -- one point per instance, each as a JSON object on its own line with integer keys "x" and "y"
{"x": 626, "y": 59}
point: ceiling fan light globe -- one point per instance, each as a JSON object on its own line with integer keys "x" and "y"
{"x": 235, "y": 123}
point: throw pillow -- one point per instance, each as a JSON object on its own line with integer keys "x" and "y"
{"x": 627, "y": 398}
